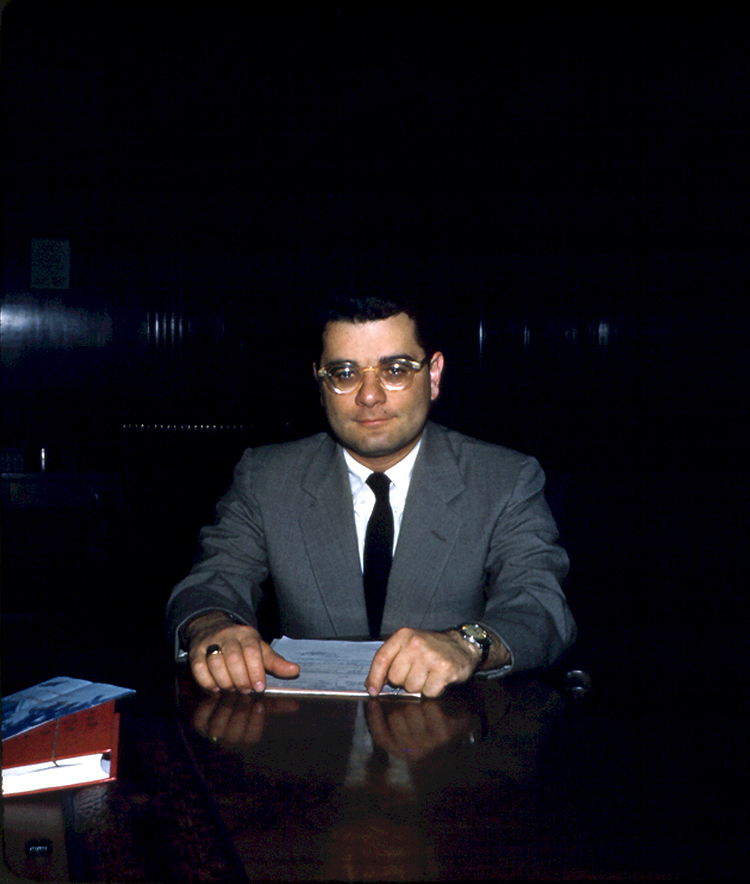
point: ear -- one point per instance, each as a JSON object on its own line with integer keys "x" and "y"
{"x": 318, "y": 382}
{"x": 437, "y": 364}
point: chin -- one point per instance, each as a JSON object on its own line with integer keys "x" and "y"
{"x": 376, "y": 448}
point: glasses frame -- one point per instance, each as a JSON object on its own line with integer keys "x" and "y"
{"x": 324, "y": 374}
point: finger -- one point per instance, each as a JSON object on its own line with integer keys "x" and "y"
{"x": 407, "y": 672}
{"x": 229, "y": 668}
{"x": 218, "y": 668}
{"x": 434, "y": 669}
{"x": 381, "y": 664}
{"x": 248, "y": 668}
{"x": 434, "y": 683}
{"x": 202, "y": 674}
{"x": 278, "y": 665}
{"x": 441, "y": 672}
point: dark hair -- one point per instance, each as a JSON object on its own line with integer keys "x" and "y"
{"x": 367, "y": 307}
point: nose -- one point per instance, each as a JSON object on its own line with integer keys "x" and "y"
{"x": 371, "y": 392}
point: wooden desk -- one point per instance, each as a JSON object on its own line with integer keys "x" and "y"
{"x": 494, "y": 780}
{"x": 396, "y": 789}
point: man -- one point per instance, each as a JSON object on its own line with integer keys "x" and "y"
{"x": 474, "y": 583}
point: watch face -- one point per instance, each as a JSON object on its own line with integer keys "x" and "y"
{"x": 475, "y": 631}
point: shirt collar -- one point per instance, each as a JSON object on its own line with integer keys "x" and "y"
{"x": 399, "y": 474}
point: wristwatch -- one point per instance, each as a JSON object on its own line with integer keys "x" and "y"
{"x": 479, "y": 637}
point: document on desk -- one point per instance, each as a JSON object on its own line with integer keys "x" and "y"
{"x": 328, "y": 668}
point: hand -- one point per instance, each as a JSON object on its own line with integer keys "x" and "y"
{"x": 244, "y": 659}
{"x": 422, "y": 662}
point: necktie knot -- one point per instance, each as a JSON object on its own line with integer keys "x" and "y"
{"x": 380, "y": 484}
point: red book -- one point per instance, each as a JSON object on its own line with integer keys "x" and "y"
{"x": 72, "y": 750}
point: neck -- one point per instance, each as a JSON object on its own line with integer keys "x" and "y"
{"x": 384, "y": 462}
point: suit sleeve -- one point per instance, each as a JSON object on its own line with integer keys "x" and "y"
{"x": 231, "y": 564}
{"x": 525, "y": 605}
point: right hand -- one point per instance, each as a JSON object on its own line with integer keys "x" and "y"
{"x": 244, "y": 659}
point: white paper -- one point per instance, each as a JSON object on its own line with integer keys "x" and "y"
{"x": 48, "y": 775}
{"x": 327, "y": 667}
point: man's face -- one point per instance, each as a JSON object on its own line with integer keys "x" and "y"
{"x": 377, "y": 426}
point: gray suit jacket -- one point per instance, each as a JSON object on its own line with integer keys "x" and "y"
{"x": 477, "y": 543}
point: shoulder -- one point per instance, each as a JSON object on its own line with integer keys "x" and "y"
{"x": 453, "y": 460}
{"x": 291, "y": 452}
{"x": 466, "y": 450}
{"x": 284, "y": 462}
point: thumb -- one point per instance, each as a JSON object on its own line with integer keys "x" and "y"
{"x": 278, "y": 665}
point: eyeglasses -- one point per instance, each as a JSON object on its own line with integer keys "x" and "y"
{"x": 348, "y": 377}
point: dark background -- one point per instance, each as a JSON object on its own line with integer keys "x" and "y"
{"x": 569, "y": 194}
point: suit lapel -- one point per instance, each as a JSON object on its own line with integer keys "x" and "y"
{"x": 428, "y": 532}
{"x": 327, "y": 524}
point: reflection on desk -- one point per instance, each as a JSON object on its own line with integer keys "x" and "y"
{"x": 373, "y": 789}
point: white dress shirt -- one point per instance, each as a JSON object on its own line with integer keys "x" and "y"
{"x": 363, "y": 497}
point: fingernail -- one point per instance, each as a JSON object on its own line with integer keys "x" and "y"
{"x": 260, "y": 686}
{"x": 372, "y": 692}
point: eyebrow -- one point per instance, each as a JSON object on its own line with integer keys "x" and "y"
{"x": 382, "y": 361}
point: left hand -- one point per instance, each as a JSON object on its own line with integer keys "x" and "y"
{"x": 422, "y": 662}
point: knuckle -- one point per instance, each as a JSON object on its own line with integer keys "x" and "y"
{"x": 442, "y": 666}
{"x": 416, "y": 642}
{"x": 381, "y": 657}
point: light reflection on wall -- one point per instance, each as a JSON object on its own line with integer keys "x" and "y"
{"x": 165, "y": 328}
{"x": 29, "y": 325}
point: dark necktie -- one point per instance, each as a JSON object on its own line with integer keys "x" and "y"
{"x": 378, "y": 551}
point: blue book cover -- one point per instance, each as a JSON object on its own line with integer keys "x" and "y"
{"x": 51, "y": 700}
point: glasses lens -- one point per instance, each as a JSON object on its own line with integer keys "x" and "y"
{"x": 396, "y": 375}
{"x": 344, "y": 378}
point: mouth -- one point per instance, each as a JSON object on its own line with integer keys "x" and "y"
{"x": 373, "y": 421}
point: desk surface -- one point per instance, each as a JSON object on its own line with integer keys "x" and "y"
{"x": 493, "y": 780}
{"x": 357, "y": 790}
